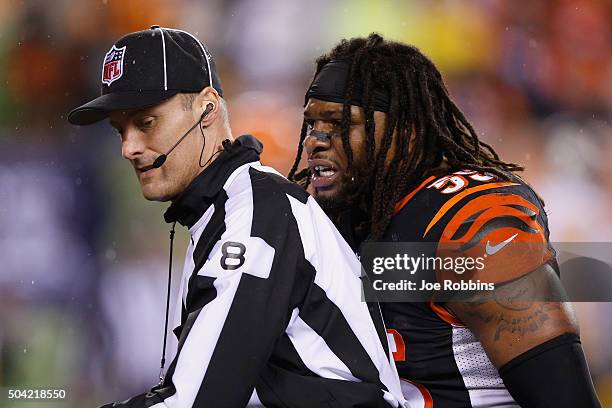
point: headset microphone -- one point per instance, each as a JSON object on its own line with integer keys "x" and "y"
{"x": 161, "y": 159}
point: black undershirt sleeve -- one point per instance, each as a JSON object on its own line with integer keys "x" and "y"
{"x": 552, "y": 375}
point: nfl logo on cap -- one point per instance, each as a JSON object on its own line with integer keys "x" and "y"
{"x": 112, "y": 69}
{"x": 146, "y": 67}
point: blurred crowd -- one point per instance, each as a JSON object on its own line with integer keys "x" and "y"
{"x": 82, "y": 298}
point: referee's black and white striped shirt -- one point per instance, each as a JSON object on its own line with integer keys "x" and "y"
{"x": 271, "y": 300}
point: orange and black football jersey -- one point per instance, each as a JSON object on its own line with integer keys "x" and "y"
{"x": 476, "y": 214}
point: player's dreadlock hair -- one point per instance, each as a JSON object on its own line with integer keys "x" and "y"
{"x": 420, "y": 108}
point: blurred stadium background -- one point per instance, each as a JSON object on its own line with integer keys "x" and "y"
{"x": 82, "y": 292}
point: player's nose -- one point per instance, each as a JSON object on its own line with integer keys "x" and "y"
{"x": 317, "y": 140}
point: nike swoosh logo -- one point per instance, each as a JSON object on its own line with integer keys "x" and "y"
{"x": 495, "y": 248}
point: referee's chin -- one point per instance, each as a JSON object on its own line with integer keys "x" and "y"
{"x": 157, "y": 197}
{"x": 158, "y": 192}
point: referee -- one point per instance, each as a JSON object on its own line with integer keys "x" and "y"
{"x": 270, "y": 293}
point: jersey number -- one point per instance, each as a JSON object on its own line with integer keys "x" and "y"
{"x": 457, "y": 182}
{"x": 398, "y": 347}
{"x": 236, "y": 255}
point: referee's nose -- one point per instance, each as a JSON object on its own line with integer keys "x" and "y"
{"x": 132, "y": 144}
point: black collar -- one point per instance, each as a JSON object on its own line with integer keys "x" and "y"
{"x": 200, "y": 194}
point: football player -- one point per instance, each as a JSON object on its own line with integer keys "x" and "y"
{"x": 391, "y": 158}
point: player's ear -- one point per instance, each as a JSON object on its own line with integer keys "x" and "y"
{"x": 209, "y": 101}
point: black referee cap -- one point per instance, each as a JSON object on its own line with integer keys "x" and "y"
{"x": 147, "y": 67}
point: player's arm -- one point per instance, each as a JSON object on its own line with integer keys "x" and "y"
{"x": 527, "y": 330}
{"x": 534, "y": 344}
{"x": 243, "y": 291}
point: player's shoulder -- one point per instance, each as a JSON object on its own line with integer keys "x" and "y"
{"x": 473, "y": 215}
{"x": 462, "y": 196}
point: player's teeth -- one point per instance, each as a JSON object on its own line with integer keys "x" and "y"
{"x": 327, "y": 173}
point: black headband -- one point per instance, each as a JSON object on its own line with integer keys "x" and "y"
{"x": 330, "y": 85}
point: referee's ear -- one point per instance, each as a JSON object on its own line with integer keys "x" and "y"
{"x": 208, "y": 96}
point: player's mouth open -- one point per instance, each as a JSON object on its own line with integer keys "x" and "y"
{"x": 323, "y": 175}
